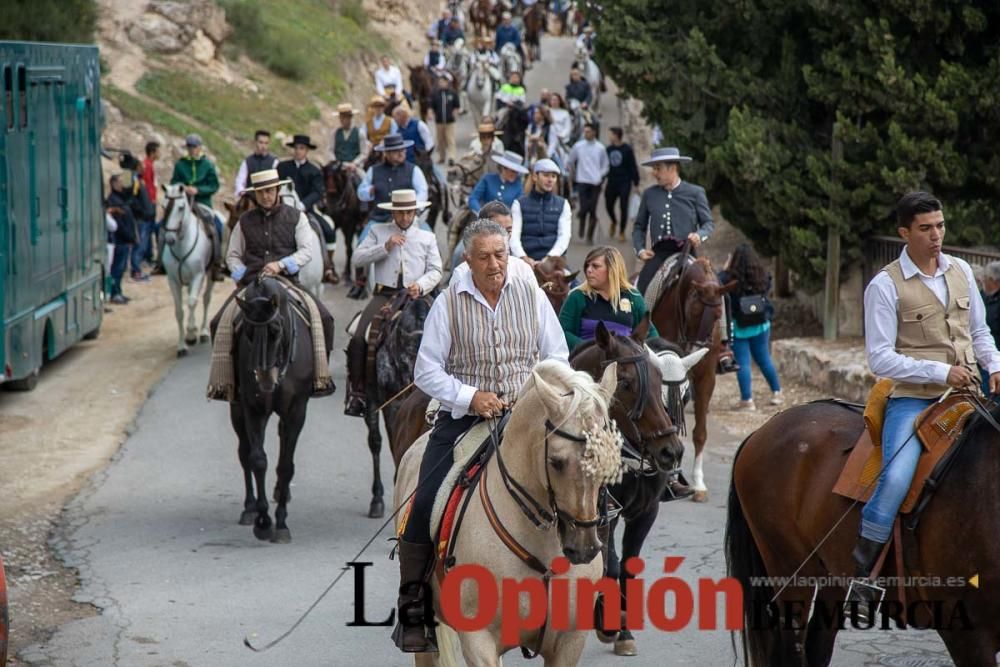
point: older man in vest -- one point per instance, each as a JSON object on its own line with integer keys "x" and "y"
{"x": 925, "y": 328}
{"x": 482, "y": 337}
{"x": 403, "y": 257}
{"x": 413, "y": 130}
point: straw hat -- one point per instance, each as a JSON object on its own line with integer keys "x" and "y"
{"x": 376, "y": 101}
{"x": 346, "y": 108}
{"x": 264, "y": 180}
{"x": 404, "y": 200}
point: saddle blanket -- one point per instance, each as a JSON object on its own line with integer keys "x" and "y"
{"x": 656, "y": 286}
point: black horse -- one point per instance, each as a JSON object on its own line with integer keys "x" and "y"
{"x": 437, "y": 192}
{"x": 395, "y": 358}
{"x": 513, "y": 121}
{"x": 343, "y": 205}
{"x": 274, "y": 374}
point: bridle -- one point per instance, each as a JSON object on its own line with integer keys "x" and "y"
{"x": 706, "y": 325}
{"x": 179, "y": 230}
{"x": 278, "y": 319}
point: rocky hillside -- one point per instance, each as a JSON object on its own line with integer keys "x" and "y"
{"x": 224, "y": 68}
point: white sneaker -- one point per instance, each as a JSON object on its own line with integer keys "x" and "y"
{"x": 745, "y": 406}
{"x": 777, "y": 398}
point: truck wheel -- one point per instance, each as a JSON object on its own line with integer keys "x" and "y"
{"x": 24, "y": 384}
{"x": 92, "y": 335}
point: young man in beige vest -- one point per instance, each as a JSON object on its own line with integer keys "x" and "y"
{"x": 925, "y": 328}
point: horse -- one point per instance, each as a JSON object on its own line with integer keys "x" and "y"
{"x": 422, "y": 87}
{"x": 545, "y": 452}
{"x": 554, "y": 279}
{"x": 394, "y": 361}
{"x": 513, "y": 121}
{"x": 782, "y": 514}
{"x": 534, "y": 24}
{"x": 591, "y": 74}
{"x": 483, "y": 17}
{"x": 510, "y": 61}
{"x": 187, "y": 261}
{"x": 639, "y": 411}
{"x": 437, "y": 194}
{"x": 688, "y": 314}
{"x": 344, "y": 207}
{"x": 479, "y": 87}
{"x": 270, "y": 378}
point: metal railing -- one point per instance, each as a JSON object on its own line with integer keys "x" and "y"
{"x": 880, "y": 250}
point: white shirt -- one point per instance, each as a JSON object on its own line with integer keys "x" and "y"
{"x": 386, "y": 77}
{"x": 562, "y": 240}
{"x": 429, "y": 373}
{"x": 418, "y": 259}
{"x": 589, "y": 160}
{"x": 881, "y": 307}
{"x": 241, "y": 178}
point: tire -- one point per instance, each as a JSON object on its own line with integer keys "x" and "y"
{"x": 24, "y": 384}
{"x": 92, "y": 335}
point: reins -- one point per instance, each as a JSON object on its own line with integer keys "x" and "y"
{"x": 179, "y": 230}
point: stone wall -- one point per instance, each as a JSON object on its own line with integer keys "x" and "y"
{"x": 838, "y": 369}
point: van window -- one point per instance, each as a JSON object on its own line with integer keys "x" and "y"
{"x": 22, "y": 95}
{"x": 8, "y": 96}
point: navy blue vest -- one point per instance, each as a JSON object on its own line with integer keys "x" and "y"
{"x": 540, "y": 223}
{"x": 385, "y": 179}
{"x": 412, "y": 133}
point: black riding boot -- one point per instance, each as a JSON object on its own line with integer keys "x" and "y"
{"x": 360, "y": 289}
{"x": 727, "y": 364}
{"x": 410, "y": 633}
{"x": 677, "y": 488}
{"x": 357, "y": 353}
{"x": 863, "y": 590}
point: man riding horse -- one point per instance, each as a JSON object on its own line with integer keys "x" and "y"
{"x": 482, "y": 338}
{"x": 272, "y": 240}
{"x": 309, "y": 186}
{"x": 378, "y": 124}
{"x": 350, "y": 143}
{"x": 200, "y": 180}
{"x": 675, "y": 212}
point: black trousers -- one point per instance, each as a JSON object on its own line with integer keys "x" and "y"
{"x": 589, "y": 194}
{"x": 617, "y": 193}
{"x": 434, "y": 468}
{"x": 662, "y": 249}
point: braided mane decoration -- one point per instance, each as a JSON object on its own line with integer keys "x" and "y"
{"x": 602, "y": 453}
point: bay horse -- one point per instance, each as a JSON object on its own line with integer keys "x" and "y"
{"x": 534, "y": 23}
{"x": 422, "y": 87}
{"x": 437, "y": 193}
{"x": 274, "y": 375}
{"x": 555, "y": 279}
{"x": 484, "y": 17}
{"x": 344, "y": 207}
{"x": 688, "y": 314}
{"x": 395, "y": 358}
{"x": 187, "y": 259}
{"x": 556, "y": 431}
{"x": 781, "y": 509}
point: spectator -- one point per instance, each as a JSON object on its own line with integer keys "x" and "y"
{"x": 589, "y": 162}
{"x": 991, "y": 299}
{"x": 149, "y": 169}
{"x": 752, "y": 314}
{"x": 143, "y": 212}
{"x": 623, "y": 174}
{"x": 123, "y": 237}
{"x": 387, "y": 75}
{"x": 578, "y": 88}
{"x": 537, "y": 137}
{"x": 445, "y": 105}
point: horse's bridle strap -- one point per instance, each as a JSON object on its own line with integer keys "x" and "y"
{"x": 509, "y": 540}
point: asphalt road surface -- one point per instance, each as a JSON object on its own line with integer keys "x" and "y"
{"x": 179, "y": 583}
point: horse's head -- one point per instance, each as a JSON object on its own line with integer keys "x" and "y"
{"x": 701, "y": 301}
{"x": 178, "y": 206}
{"x": 244, "y": 204}
{"x": 582, "y": 451}
{"x": 554, "y": 279}
{"x": 289, "y": 196}
{"x": 403, "y": 341}
{"x": 638, "y": 402}
{"x": 265, "y": 307}
{"x": 674, "y": 367}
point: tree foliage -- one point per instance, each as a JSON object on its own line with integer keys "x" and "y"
{"x": 71, "y": 21}
{"x": 759, "y": 90}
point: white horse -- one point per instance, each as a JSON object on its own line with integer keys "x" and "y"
{"x": 591, "y": 73}
{"x": 459, "y": 64}
{"x": 479, "y": 87}
{"x": 510, "y": 61}
{"x": 310, "y": 275}
{"x": 186, "y": 259}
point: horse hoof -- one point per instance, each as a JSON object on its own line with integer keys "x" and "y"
{"x": 282, "y": 536}
{"x": 625, "y": 647}
{"x": 246, "y": 519}
{"x": 603, "y": 637}
{"x": 182, "y": 353}
{"x": 700, "y": 497}
{"x": 263, "y": 534}
{"x": 204, "y": 338}
{"x": 376, "y": 510}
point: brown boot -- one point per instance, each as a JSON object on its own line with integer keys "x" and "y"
{"x": 410, "y": 633}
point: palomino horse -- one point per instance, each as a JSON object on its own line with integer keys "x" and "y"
{"x": 591, "y": 74}
{"x": 558, "y": 428}
{"x": 394, "y": 361}
{"x": 783, "y": 515}
{"x": 688, "y": 314}
{"x": 652, "y": 438}
{"x": 270, "y": 378}
{"x": 422, "y": 87}
{"x": 479, "y": 87}
{"x": 534, "y": 24}
{"x": 187, "y": 259}
{"x": 344, "y": 207}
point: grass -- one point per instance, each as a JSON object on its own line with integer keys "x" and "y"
{"x": 226, "y": 157}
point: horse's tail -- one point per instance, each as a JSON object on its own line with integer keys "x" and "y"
{"x": 449, "y": 648}
{"x": 744, "y": 563}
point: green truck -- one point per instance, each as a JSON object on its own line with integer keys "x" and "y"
{"x": 53, "y": 237}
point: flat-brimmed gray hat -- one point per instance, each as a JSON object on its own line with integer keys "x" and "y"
{"x": 404, "y": 200}
{"x": 392, "y": 142}
{"x": 511, "y": 160}
{"x": 192, "y": 140}
{"x": 666, "y": 154}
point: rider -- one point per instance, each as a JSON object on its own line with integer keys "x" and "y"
{"x": 434, "y": 61}
{"x": 197, "y": 173}
{"x": 350, "y": 143}
{"x": 309, "y": 186}
{"x": 452, "y": 32}
{"x": 512, "y": 92}
{"x": 505, "y": 186}
{"x": 378, "y": 124}
{"x": 402, "y": 257}
{"x": 413, "y": 130}
{"x": 472, "y": 380}
{"x": 507, "y": 32}
{"x": 578, "y": 88}
{"x": 925, "y": 328}
{"x": 674, "y": 212}
{"x": 387, "y": 75}
{"x": 586, "y": 40}
{"x": 259, "y": 160}
{"x": 271, "y": 239}
{"x": 543, "y": 221}
{"x": 392, "y": 173}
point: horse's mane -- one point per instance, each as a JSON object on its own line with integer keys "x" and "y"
{"x": 579, "y": 383}
{"x": 663, "y": 345}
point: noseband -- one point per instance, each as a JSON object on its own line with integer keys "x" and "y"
{"x": 637, "y": 439}
{"x": 262, "y": 362}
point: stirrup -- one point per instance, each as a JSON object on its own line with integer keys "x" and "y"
{"x": 430, "y": 639}
{"x": 859, "y": 591}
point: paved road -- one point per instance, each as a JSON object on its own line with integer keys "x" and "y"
{"x": 180, "y": 583}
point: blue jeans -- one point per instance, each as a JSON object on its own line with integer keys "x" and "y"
{"x": 756, "y": 347}
{"x": 118, "y": 264}
{"x": 142, "y": 249}
{"x": 897, "y": 468}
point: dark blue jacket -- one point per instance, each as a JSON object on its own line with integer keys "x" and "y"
{"x": 493, "y": 188}
{"x": 507, "y": 33}
{"x": 540, "y": 222}
{"x": 412, "y": 133}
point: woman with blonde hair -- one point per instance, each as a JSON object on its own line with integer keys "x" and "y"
{"x": 606, "y": 296}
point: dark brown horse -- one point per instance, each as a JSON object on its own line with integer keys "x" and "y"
{"x": 421, "y": 87}
{"x": 688, "y": 315}
{"x": 554, "y": 279}
{"x": 781, "y": 507}
{"x": 343, "y": 205}
{"x": 534, "y": 23}
{"x": 484, "y": 17}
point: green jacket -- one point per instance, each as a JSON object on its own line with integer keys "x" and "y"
{"x": 576, "y": 320}
{"x": 201, "y": 174}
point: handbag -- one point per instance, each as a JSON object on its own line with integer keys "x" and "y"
{"x": 751, "y": 309}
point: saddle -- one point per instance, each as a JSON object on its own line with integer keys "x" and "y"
{"x": 939, "y": 428}
{"x": 377, "y": 330}
{"x": 667, "y": 275}
{"x": 207, "y": 218}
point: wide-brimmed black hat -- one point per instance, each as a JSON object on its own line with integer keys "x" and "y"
{"x": 393, "y": 142}
{"x": 301, "y": 139}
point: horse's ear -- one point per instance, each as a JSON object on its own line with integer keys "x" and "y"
{"x": 571, "y": 275}
{"x": 164, "y": 186}
{"x": 641, "y": 330}
{"x": 609, "y": 380}
{"x": 692, "y": 359}
{"x": 602, "y": 336}
{"x": 230, "y": 206}
{"x": 729, "y": 287}
{"x": 550, "y": 397}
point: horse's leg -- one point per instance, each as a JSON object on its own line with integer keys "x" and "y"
{"x": 376, "y": 510}
{"x": 205, "y": 335}
{"x": 249, "y": 497}
{"x": 820, "y": 636}
{"x": 613, "y": 571}
{"x": 177, "y": 290}
{"x": 288, "y": 432}
{"x": 255, "y": 424}
{"x": 704, "y": 386}
{"x": 480, "y": 649}
{"x": 194, "y": 291}
{"x": 970, "y": 649}
{"x": 635, "y": 534}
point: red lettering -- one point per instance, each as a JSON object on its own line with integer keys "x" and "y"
{"x": 486, "y": 599}
{"x": 683, "y": 599}
{"x": 559, "y": 594}
{"x": 586, "y": 597}
{"x": 635, "y": 593}
{"x": 732, "y": 594}
{"x": 511, "y": 620}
